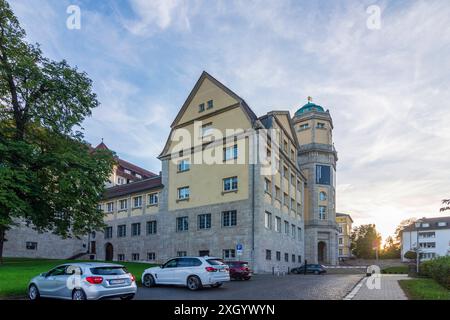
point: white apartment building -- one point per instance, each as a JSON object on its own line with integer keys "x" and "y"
{"x": 433, "y": 237}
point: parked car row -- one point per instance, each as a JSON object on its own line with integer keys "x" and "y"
{"x": 86, "y": 281}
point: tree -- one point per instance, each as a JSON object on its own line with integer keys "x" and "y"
{"x": 49, "y": 177}
{"x": 363, "y": 239}
{"x": 446, "y": 203}
{"x": 391, "y": 249}
{"x": 402, "y": 225}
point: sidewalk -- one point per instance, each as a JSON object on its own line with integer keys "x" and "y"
{"x": 385, "y": 287}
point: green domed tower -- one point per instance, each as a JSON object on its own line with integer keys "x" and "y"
{"x": 317, "y": 159}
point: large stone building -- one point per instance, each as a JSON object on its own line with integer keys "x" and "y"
{"x": 230, "y": 180}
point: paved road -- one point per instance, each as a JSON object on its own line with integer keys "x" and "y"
{"x": 289, "y": 287}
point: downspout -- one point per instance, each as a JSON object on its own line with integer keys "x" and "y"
{"x": 253, "y": 198}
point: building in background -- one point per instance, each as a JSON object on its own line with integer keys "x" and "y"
{"x": 433, "y": 237}
{"x": 344, "y": 222}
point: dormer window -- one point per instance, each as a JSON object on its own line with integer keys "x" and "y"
{"x": 425, "y": 225}
{"x": 442, "y": 224}
{"x": 127, "y": 171}
{"x": 304, "y": 126}
{"x": 201, "y": 107}
{"x": 210, "y": 104}
{"x": 320, "y": 125}
{"x": 138, "y": 176}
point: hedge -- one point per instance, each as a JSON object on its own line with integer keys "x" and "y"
{"x": 438, "y": 269}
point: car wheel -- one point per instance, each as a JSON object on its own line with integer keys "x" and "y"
{"x": 194, "y": 283}
{"x": 33, "y": 292}
{"x": 149, "y": 281}
{"x": 78, "y": 295}
{"x": 128, "y": 297}
{"x": 247, "y": 278}
{"x": 316, "y": 272}
{"x": 216, "y": 285}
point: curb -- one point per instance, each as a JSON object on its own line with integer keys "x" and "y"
{"x": 355, "y": 290}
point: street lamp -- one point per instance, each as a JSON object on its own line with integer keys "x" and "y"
{"x": 418, "y": 224}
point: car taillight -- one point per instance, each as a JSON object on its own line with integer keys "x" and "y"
{"x": 210, "y": 269}
{"x": 94, "y": 280}
{"x": 133, "y": 278}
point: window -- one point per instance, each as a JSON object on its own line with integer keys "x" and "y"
{"x": 153, "y": 198}
{"x": 203, "y": 253}
{"x": 427, "y": 255}
{"x": 182, "y": 224}
{"x": 340, "y": 252}
{"x": 201, "y": 107}
{"x": 110, "y": 207}
{"x": 183, "y": 193}
{"x": 206, "y": 129}
{"x": 230, "y": 184}
{"x": 210, "y": 104}
{"x": 268, "y": 220}
{"x": 286, "y": 257}
{"x": 299, "y": 259}
{"x": 120, "y": 180}
{"x": 138, "y": 176}
{"x": 108, "y": 232}
{"x": 340, "y": 229}
{"x": 320, "y": 125}
{"x": 230, "y": 153}
{"x": 285, "y": 146}
{"x": 286, "y": 199}
{"x": 135, "y": 256}
{"x": 322, "y": 196}
{"x": 427, "y": 234}
{"x": 299, "y": 234}
{"x": 229, "y": 254}
{"x": 427, "y": 245}
{"x": 123, "y": 204}
{"x": 99, "y": 207}
{"x": 322, "y": 212}
{"x": 151, "y": 256}
{"x": 127, "y": 171}
{"x": 442, "y": 224}
{"x": 278, "y": 255}
{"x": 340, "y": 241}
{"x": 292, "y": 204}
{"x": 181, "y": 253}
{"x": 323, "y": 175}
{"x": 204, "y": 221}
{"x": 121, "y": 257}
{"x": 31, "y": 245}
{"x": 293, "y": 258}
{"x": 229, "y": 218}
{"x": 277, "y": 193}
{"x": 183, "y": 165}
{"x": 304, "y": 126}
{"x": 425, "y": 225}
{"x": 299, "y": 208}
{"x": 267, "y": 185}
{"x": 268, "y": 255}
{"x": 135, "y": 229}
{"x": 286, "y": 227}
{"x": 277, "y": 224}
{"x": 292, "y": 155}
{"x": 152, "y": 227}
{"x": 285, "y": 172}
{"x": 293, "y": 230}
{"x": 137, "y": 202}
{"x": 121, "y": 231}
{"x": 293, "y": 180}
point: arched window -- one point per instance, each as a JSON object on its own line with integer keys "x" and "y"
{"x": 322, "y": 196}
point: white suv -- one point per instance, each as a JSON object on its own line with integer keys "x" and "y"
{"x": 193, "y": 272}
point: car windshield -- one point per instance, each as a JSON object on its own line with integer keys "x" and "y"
{"x": 109, "y": 271}
{"x": 215, "y": 262}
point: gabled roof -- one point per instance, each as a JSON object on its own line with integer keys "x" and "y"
{"x": 284, "y": 113}
{"x": 206, "y": 75}
{"x": 133, "y": 187}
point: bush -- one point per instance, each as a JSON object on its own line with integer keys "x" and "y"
{"x": 411, "y": 255}
{"x": 438, "y": 269}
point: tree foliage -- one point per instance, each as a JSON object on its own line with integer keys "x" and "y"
{"x": 391, "y": 249}
{"x": 49, "y": 177}
{"x": 363, "y": 239}
{"x": 446, "y": 205}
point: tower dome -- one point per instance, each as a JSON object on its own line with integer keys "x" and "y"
{"x": 308, "y": 108}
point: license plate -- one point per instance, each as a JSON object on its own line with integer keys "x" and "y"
{"x": 222, "y": 270}
{"x": 119, "y": 281}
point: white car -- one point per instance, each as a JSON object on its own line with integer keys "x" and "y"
{"x": 192, "y": 272}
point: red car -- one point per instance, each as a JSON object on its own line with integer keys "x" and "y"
{"x": 239, "y": 270}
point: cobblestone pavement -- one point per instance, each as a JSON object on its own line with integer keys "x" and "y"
{"x": 388, "y": 288}
{"x": 289, "y": 287}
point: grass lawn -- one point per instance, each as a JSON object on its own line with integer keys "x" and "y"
{"x": 15, "y": 273}
{"x": 424, "y": 289}
{"x": 399, "y": 269}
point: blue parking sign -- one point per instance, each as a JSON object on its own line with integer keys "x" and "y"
{"x": 239, "y": 247}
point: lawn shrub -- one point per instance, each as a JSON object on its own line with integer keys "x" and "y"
{"x": 438, "y": 269}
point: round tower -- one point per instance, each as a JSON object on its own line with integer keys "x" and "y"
{"x": 317, "y": 159}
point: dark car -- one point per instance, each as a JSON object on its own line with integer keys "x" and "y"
{"x": 310, "y": 268}
{"x": 239, "y": 270}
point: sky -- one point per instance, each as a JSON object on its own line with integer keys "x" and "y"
{"x": 385, "y": 79}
